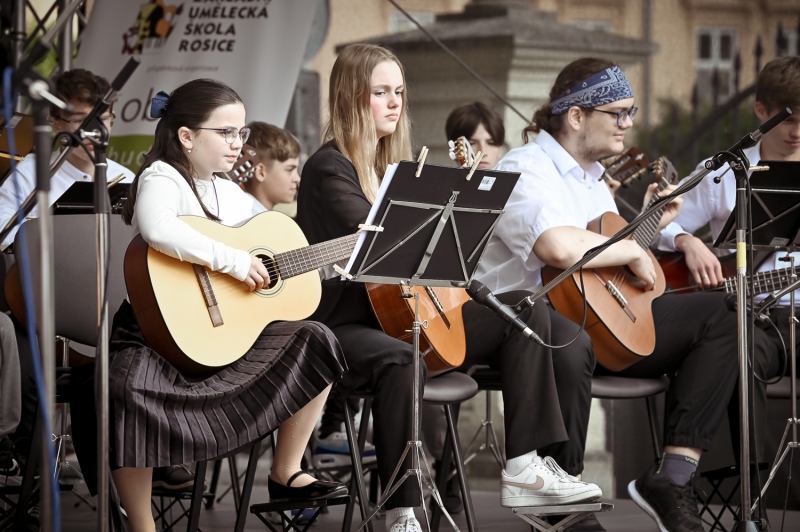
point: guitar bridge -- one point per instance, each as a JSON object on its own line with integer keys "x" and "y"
{"x": 208, "y": 295}
{"x": 614, "y": 291}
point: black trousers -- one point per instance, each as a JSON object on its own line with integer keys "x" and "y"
{"x": 696, "y": 346}
{"x": 532, "y": 413}
{"x": 780, "y": 317}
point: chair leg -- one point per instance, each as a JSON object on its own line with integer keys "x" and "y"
{"x": 214, "y": 483}
{"x": 247, "y": 487}
{"x": 442, "y": 476}
{"x": 197, "y": 496}
{"x": 652, "y": 416}
{"x": 357, "y": 480}
{"x": 462, "y": 475}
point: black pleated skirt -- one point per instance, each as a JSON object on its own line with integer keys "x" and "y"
{"x": 161, "y": 418}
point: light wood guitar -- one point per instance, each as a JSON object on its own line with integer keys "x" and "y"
{"x": 442, "y": 342}
{"x": 619, "y": 312}
{"x": 200, "y": 320}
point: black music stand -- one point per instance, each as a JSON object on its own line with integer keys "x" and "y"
{"x": 433, "y": 230}
{"x": 775, "y": 206}
{"x": 776, "y": 227}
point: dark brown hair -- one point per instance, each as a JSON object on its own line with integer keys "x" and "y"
{"x": 82, "y": 86}
{"x": 778, "y": 84}
{"x": 572, "y": 74}
{"x": 464, "y": 120}
{"x": 272, "y": 142}
{"x": 190, "y": 105}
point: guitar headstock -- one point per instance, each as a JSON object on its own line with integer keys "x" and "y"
{"x": 461, "y": 152}
{"x": 626, "y": 167}
{"x": 664, "y": 172}
{"x": 245, "y": 165}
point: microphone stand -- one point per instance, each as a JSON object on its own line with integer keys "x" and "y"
{"x": 738, "y": 162}
{"x": 97, "y": 133}
{"x": 27, "y": 80}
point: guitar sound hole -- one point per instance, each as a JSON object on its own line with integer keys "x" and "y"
{"x": 272, "y": 268}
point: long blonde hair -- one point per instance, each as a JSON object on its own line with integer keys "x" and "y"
{"x": 350, "y": 124}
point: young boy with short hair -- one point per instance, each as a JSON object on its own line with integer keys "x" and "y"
{"x": 275, "y": 177}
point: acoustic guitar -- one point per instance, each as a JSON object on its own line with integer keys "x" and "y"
{"x": 619, "y": 310}
{"x": 443, "y": 343}
{"x": 625, "y": 167}
{"x": 680, "y": 280}
{"x": 198, "y": 319}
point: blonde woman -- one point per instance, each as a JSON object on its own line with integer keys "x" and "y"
{"x": 368, "y": 129}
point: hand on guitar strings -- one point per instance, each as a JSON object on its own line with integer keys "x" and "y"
{"x": 701, "y": 262}
{"x": 642, "y": 267}
{"x": 672, "y": 208}
{"x": 257, "y": 277}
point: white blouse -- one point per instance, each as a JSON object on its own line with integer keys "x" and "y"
{"x": 163, "y": 195}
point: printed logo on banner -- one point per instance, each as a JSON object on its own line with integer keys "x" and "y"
{"x": 152, "y": 28}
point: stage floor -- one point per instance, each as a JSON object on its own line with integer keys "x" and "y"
{"x": 625, "y": 517}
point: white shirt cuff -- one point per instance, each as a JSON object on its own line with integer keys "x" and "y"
{"x": 666, "y": 240}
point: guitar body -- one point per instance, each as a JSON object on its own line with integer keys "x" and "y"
{"x": 172, "y": 312}
{"x": 620, "y": 338}
{"x": 443, "y": 342}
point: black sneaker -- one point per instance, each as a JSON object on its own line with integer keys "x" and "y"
{"x": 673, "y": 507}
{"x": 173, "y": 478}
{"x": 588, "y": 524}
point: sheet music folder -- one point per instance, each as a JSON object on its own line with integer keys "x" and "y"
{"x": 775, "y": 207}
{"x": 434, "y": 227}
{"x": 79, "y": 198}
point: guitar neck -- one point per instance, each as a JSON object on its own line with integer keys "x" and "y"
{"x": 766, "y": 281}
{"x": 644, "y": 234}
{"x": 300, "y": 261}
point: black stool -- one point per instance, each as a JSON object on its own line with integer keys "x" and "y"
{"x": 447, "y": 390}
{"x": 616, "y": 387}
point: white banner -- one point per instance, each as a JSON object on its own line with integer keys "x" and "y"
{"x": 255, "y": 46}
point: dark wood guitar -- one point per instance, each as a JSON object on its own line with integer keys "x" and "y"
{"x": 626, "y": 167}
{"x": 442, "y": 342}
{"x": 619, "y": 310}
{"x": 680, "y": 280}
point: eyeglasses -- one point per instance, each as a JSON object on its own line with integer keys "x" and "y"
{"x": 75, "y": 122}
{"x": 621, "y": 115}
{"x": 230, "y": 133}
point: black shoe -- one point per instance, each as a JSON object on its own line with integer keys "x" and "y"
{"x": 452, "y": 495}
{"x": 673, "y": 507}
{"x": 319, "y": 489}
{"x": 588, "y": 524}
{"x": 174, "y": 478}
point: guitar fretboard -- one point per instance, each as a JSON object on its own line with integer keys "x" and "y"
{"x": 768, "y": 281}
{"x": 299, "y": 261}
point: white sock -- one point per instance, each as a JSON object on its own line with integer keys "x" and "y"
{"x": 396, "y": 513}
{"x": 514, "y": 466}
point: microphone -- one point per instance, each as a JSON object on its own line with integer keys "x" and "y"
{"x": 478, "y": 291}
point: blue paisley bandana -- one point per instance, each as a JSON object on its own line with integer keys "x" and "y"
{"x": 609, "y": 85}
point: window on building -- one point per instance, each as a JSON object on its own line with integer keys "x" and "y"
{"x": 791, "y": 42}
{"x": 398, "y": 22}
{"x": 594, "y": 25}
{"x": 716, "y": 52}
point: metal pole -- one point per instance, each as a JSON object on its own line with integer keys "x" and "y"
{"x": 740, "y": 171}
{"x": 793, "y": 352}
{"x": 65, "y": 40}
{"x": 18, "y": 43}
{"x": 101, "y": 375}
{"x": 47, "y": 334}
{"x": 417, "y": 330}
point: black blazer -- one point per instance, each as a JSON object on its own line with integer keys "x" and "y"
{"x": 331, "y": 204}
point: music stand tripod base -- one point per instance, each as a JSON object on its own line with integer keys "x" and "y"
{"x": 575, "y": 512}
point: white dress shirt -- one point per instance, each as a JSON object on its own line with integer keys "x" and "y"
{"x": 258, "y": 207}
{"x": 163, "y": 195}
{"x": 11, "y": 197}
{"x": 552, "y": 191}
{"x": 712, "y": 203}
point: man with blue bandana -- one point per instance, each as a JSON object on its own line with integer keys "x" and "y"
{"x": 559, "y": 193}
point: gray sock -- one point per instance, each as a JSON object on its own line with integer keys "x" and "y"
{"x": 677, "y": 467}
